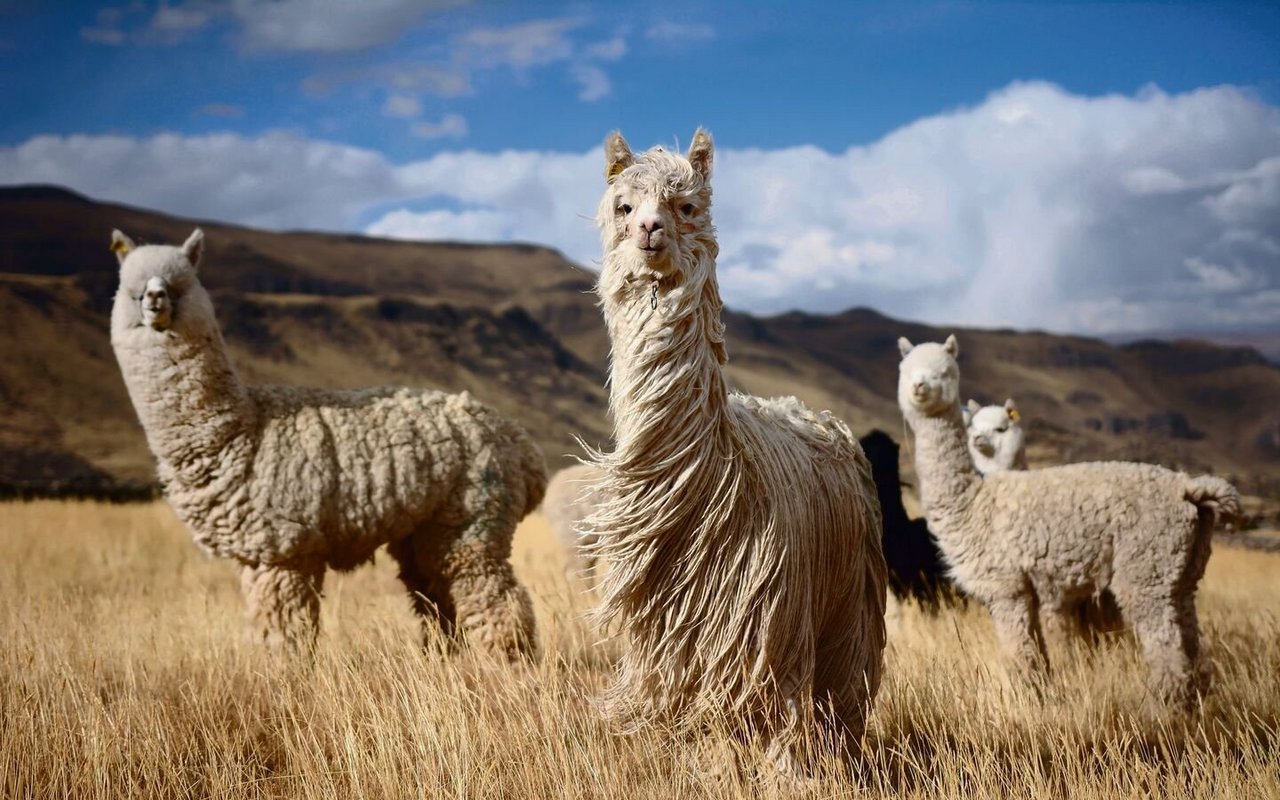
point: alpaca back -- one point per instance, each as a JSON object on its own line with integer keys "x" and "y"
{"x": 412, "y": 450}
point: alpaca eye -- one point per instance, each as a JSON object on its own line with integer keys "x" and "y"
{"x": 688, "y": 209}
{"x": 1002, "y": 429}
{"x": 624, "y": 208}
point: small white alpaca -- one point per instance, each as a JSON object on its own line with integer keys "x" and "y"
{"x": 573, "y": 494}
{"x": 1045, "y": 538}
{"x": 289, "y": 481}
{"x": 997, "y": 444}
{"x": 741, "y": 536}
{"x": 996, "y": 441}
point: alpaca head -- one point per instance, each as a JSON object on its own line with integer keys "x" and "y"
{"x": 655, "y": 216}
{"x": 159, "y": 291}
{"x": 995, "y": 437}
{"x": 928, "y": 378}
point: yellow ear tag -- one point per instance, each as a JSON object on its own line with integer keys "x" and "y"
{"x": 118, "y": 246}
{"x": 615, "y": 169}
{"x": 1014, "y": 415}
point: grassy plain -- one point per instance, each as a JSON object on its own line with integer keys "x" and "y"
{"x": 123, "y": 673}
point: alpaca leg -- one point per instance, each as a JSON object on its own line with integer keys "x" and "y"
{"x": 1060, "y": 621}
{"x": 283, "y": 605}
{"x": 420, "y": 571}
{"x": 1201, "y": 675}
{"x": 1017, "y": 624}
{"x": 1159, "y": 629}
{"x": 494, "y": 612}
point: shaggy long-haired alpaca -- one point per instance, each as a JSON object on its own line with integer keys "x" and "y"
{"x": 741, "y": 535}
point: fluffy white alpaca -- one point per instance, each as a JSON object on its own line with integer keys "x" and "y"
{"x": 996, "y": 441}
{"x": 289, "y": 481}
{"x": 1017, "y": 540}
{"x": 741, "y": 535}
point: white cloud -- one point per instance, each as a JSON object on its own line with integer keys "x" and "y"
{"x": 450, "y": 126}
{"x": 592, "y": 81}
{"x": 456, "y": 226}
{"x": 608, "y": 50}
{"x": 182, "y": 19}
{"x": 402, "y": 106}
{"x": 1034, "y": 208}
{"x": 520, "y": 46}
{"x": 274, "y": 181}
{"x": 326, "y": 25}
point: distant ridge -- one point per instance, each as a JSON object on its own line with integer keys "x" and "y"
{"x": 518, "y": 326}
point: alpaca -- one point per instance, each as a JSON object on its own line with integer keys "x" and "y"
{"x": 740, "y": 535}
{"x": 288, "y": 481}
{"x": 996, "y": 441}
{"x": 572, "y": 494}
{"x": 1018, "y": 540}
{"x": 997, "y": 444}
{"x": 916, "y": 567}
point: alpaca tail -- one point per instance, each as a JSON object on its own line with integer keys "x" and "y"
{"x": 1214, "y": 496}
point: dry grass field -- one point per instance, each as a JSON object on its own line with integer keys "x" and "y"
{"x": 123, "y": 673}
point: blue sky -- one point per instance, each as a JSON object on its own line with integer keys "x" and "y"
{"x": 1097, "y": 167}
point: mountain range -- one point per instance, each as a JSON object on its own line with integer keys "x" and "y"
{"x": 518, "y": 326}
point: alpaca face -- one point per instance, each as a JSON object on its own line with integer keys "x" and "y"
{"x": 928, "y": 377}
{"x": 995, "y": 436}
{"x": 159, "y": 289}
{"x": 655, "y": 216}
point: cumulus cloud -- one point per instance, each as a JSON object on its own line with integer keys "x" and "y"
{"x": 1034, "y": 208}
{"x": 273, "y": 181}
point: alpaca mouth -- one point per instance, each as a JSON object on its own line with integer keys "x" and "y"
{"x": 984, "y": 447}
{"x": 156, "y": 319}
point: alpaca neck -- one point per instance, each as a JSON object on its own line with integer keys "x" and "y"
{"x": 668, "y": 394}
{"x": 948, "y": 478}
{"x": 188, "y": 398}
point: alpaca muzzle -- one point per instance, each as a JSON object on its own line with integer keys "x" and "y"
{"x": 983, "y": 445}
{"x": 157, "y": 311}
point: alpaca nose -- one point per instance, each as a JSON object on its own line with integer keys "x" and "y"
{"x": 919, "y": 389}
{"x": 650, "y": 224}
{"x": 983, "y": 445}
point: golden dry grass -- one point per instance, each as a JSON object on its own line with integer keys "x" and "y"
{"x": 123, "y": 673}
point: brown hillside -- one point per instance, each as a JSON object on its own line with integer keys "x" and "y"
{"x": 518, "y": 326}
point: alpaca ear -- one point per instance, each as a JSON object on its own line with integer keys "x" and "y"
{"x": 904, "y": 346}
{"x": 952, "y": 345}
{"x": 966, "y": 414}
{"x": 974, "y": 407}
{"x": 193, "y": 248}
{"x": 700, "y": 151}
{"x": 121, "y": 245}
{"x": 617, "y": 156}
{"x": 1011, "y": 408}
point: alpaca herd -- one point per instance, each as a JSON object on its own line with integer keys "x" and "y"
{"x": 742, "y": 548}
